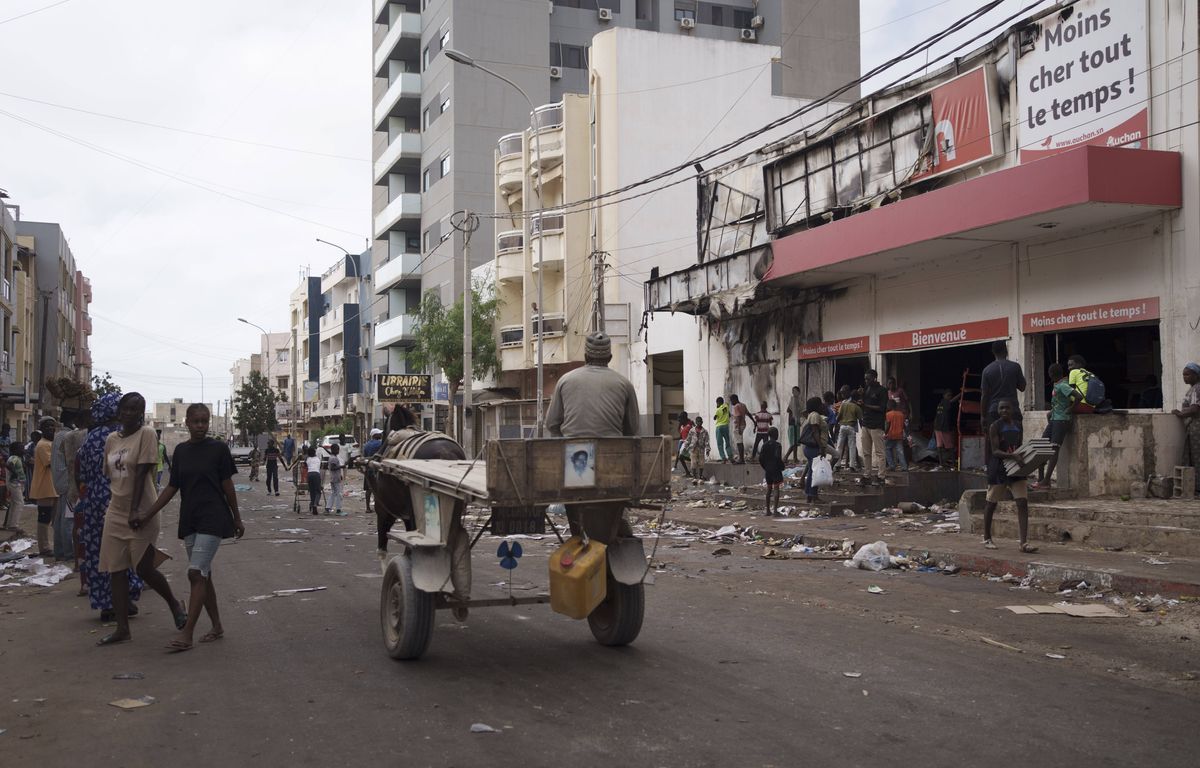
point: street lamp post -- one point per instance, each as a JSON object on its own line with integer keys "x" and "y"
{"x": 370, "y": 415}
{"x": 197, "y": 370}
{"x": 266, "y": 333}
{"x": 465, "y": 60}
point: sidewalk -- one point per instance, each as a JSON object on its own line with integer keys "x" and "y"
{"x": 1127, "y": 572}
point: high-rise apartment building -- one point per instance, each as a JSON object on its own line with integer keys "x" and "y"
{"x": 436, "y": 123}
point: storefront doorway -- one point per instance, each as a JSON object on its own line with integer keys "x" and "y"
{"x": 829, "y": 375}
{"x": 926, "y": 373}
{"x": 667, "y": 372}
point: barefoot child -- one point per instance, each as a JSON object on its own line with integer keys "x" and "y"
{"x": 771, "y": 460}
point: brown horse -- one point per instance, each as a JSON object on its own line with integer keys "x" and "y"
{"x": 392, "y": 498}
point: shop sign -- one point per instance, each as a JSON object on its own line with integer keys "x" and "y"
{"x": 1112, "y": 313}
{"x": 945, "y": 335}
{"x": 405, "y": 387}
{"x": 1085, "y": 80}
{"x": 860, "y": 345}
{"x": 441, "y": 392}
{"x": 966, "y": 123}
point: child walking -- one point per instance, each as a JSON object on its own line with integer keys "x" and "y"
{"x": 697, "y": 447}
{"x": 771, "y": 460}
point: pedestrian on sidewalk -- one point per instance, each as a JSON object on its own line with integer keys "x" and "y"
{"x": 897, "y": 396}
{"x": 71, "y": 444}
{"x": 272, "y": 456}
{"x": 255, "y": 460}
{"x": 740, "y": 415}
{"x": 289, "y": 447}
{"x": 894, "y": 437}
{"x": 1000, "y": 380}
{"x": 1190, "y": 414}
{"x": 771, "y": 461}
{"x": 28, "y": 450}
{"x": 64, "y": 523}
{"x": 795, "y": 414}
{"x": 202, "y": 473}
{"x": 850, "y": 412}
{"x": 1005, "y": 436}
{"x": 697, "y": 445}
{"x": 312, "y": 465}
{"x": 41, "y": 488}
{"x": 95, "y": 494}
{"x": 130, "y": 456}
{"x": 813, "y": 439}
{"x": 1060, "y": 421}
{"x": 334, "y": 465}
{"x": 831, "y": 412}
{"x": 874, "y": 419}
{"x": 721, "y": 419}
{"x": 944, "y": 432}
{"x": 762, "y": 429}
{"x": 16, "y": 490}
{"x": 681, "y": 453}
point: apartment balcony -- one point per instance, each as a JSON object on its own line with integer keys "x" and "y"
{"x": 401, "y": 99}
{"x": 399, "y": 330}
{"x": 86, "y": 325}
{"x": 555, "y": 324}
{"x": 512, "y": 336}
{"x": 402, "y": 268}
{"x": 546, "y": 144}
{"x": 548, "y": 242}
{"x": 6, "y": 291}
{"x": 510, "y": 255}
{"x": 332, "y": 322}
{"x": 407, "y": 205}
{"x": 404, "y": 150}
{"x": 87, "y": 290}
{"x": 345, "y": 268}
{"x": 509, "y": 168}
{"x": 402, "y": 41}
{"x": 328, "y": 406}
{"x": 380, "y": 8}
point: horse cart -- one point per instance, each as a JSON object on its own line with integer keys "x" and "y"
{"x": 597, "y": 574}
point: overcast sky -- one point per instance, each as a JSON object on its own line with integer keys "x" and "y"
{"x": 182, "y": 233}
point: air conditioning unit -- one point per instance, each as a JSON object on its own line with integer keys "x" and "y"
{"x": 687, "y": 23}
{"x": 749, "y": 35}
{"x": 605, "y": 14}
{"x": 556, "y": 73}
{"x": 757, "y": 22}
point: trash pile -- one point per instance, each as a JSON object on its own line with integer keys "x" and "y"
{"x": 937, "y": 518}
{"x": 18, "y": 569}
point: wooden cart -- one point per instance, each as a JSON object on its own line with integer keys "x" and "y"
{"x": 595, "y": 478}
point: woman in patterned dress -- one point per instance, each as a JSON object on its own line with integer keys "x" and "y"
{"x": 94, "y": 495}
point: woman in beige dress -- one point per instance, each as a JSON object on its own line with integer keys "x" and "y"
{"x": 130, "y": 458}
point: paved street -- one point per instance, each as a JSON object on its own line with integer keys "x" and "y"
{"x": 742, "y": 661}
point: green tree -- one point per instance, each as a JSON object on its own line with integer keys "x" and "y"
{"x": 439, "y": 335}
{"x": 255, "y": 404}
{"x": 105, "y": 385}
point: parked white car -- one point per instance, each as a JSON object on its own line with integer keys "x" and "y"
{"x": 348, "y": 453}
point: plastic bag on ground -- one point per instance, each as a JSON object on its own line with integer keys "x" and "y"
{"x": 871, "y": 557}
{"x": 822, "y": 472}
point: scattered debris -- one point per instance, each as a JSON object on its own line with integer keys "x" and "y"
{"x": 251, "y": 613}
{"x": 774, "y": 554}
{"x": 1155, "y": 561}
{"x": 21, "y": 570}
{"x": 283, "y": 593}
{"x": 875, "y": 590}
{"x": 1080, "y": 611}
{"x": 722, "y": 552}
{"x": 1055, "y": 656}
{"x": 871, "y": 557}
{"x": 998, "y": 644}
{"x": 138, "y": 703}
{"x": 482, "y": 728}
{"x": 129, "y": 676}
{"x": 854, "y": 675}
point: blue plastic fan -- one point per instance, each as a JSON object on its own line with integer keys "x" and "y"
{"x": 508, "y": 553}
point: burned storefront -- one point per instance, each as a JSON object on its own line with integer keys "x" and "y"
{"x": 919, "y": 225}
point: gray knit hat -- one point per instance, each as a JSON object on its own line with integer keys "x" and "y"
{"x": 598, "y": 345}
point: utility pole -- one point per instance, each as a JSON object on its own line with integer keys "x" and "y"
{"x": 470, "y": 224}
{"x": 598, "y": 268}
{"x": 295, "y": 400}
{"x": 42, "y": 352}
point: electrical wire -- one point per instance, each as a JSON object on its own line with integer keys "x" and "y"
{"x": 35, "y": 10}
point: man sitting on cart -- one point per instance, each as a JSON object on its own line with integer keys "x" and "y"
{"x": 595, "y": 401}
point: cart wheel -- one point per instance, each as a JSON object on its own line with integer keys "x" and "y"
{"x": 405, "y": 612}
{"x": 618, "y": 620}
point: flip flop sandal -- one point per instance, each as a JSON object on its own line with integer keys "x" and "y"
{"x": 178, "y": 646}
{"x": 212, "y": 637}
{"x": 181, "y": 619}
{"x": 112, "y": 640}
{"x": 1027, "y": 549}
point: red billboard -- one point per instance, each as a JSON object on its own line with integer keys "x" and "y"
{"x": 965, "y": 124}
{"x": 859, "y": 345}
{"x": 945, "y": 335}
{"x": 1090, "y": 316}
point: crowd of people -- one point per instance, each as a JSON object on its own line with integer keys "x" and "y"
{"x": 868, "y": 429}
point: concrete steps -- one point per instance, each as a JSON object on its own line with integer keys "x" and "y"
{"x": 1146, "y": 525}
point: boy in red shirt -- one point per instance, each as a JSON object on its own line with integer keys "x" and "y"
{"x": 893, "y": 437}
